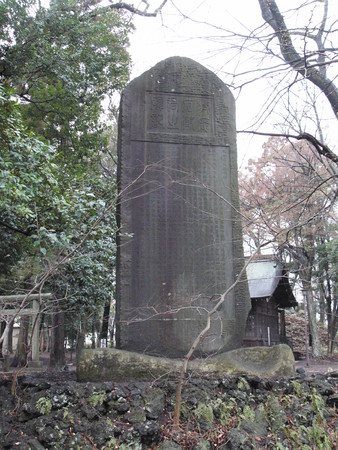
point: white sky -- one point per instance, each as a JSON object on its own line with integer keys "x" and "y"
{"x": 172, "y": 34}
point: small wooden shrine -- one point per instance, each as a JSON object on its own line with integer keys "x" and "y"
{"x": 270, "y": 294}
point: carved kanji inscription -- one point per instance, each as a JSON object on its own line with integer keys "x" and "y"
{"x": 180, "y": 113}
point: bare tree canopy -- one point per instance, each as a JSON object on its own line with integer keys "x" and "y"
{"x": 311, "y": 65}
{"x": 305, "y": 64}
{"x": 289, "y": 195}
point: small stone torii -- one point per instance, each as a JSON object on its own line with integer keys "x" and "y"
{"x": 34, "y": 312}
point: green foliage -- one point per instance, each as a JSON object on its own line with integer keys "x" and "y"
{"x": 243, "y": 385}
{"x": 97, "y": 398}
{"x": 27, "y": 164}
{"x": 58, "y": 63}
{"x": 247, "y": 413}
{"x": 111, "y": 444}
{"x": 44, "y": 405}
{"x": 67, "y": 416}
{"x": 204, "y": 413}
{"x": 226, "y": 410}
{"x": 28, "y": 184}
{"x": 62, "y": 62}
{"x": 303, "y": 436}
{"x": 184, "y": 411}
{"x": 328, "y": 255}
{"x": 297, "y": 387}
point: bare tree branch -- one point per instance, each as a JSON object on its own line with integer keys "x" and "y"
{"x": 274, "y": 18}
{"x": 26, "y": 232}
{"x": 134, "y": 10}
{"x": 321, "y": 148}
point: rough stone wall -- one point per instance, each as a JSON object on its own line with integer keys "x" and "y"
{"x": 228, "y": 413}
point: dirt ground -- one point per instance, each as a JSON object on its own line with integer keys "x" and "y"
{"x": 322, "y": 365}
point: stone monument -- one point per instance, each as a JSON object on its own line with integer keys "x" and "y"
{"x": 180, "y": 238}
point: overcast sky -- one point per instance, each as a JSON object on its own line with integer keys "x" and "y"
{"x": 173, "y": 33}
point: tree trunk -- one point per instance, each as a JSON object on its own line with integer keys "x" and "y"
{"x": 316, "y": 347}
{"x": 321, "y": 306}
{"x": 93, "y": 338}
{"x": 57, "y": 351}
{"x": 332, "y": 322}
{"x": 329, "y": 295}
{"x": 331, "y": 303}
{"x": 22, "y": 349}
{"x": 105, "y": 322}
{"x": 304, "y": 259}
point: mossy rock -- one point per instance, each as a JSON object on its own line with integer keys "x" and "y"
{"x": 119, "y": 365}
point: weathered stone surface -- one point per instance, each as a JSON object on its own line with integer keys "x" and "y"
{"x": 237, "y": 439}
{"x": 6, "y": 401}
{"x": 264, "y": 361}
{"x": 155, "y": 404}
{"x": 258, "y": 426}
{"x": 150, "y": 433}
{"x": 119, "y": 365}
{"x": 180, "y": 241}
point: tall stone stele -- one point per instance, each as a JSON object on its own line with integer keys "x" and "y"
{"x": 180, "y": 238}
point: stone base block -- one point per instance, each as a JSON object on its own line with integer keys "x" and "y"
{"x": 35, "y": 364}
{"x": 120, "y": 366}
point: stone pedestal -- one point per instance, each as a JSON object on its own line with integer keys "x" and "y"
{"x": 120, "y": 366}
